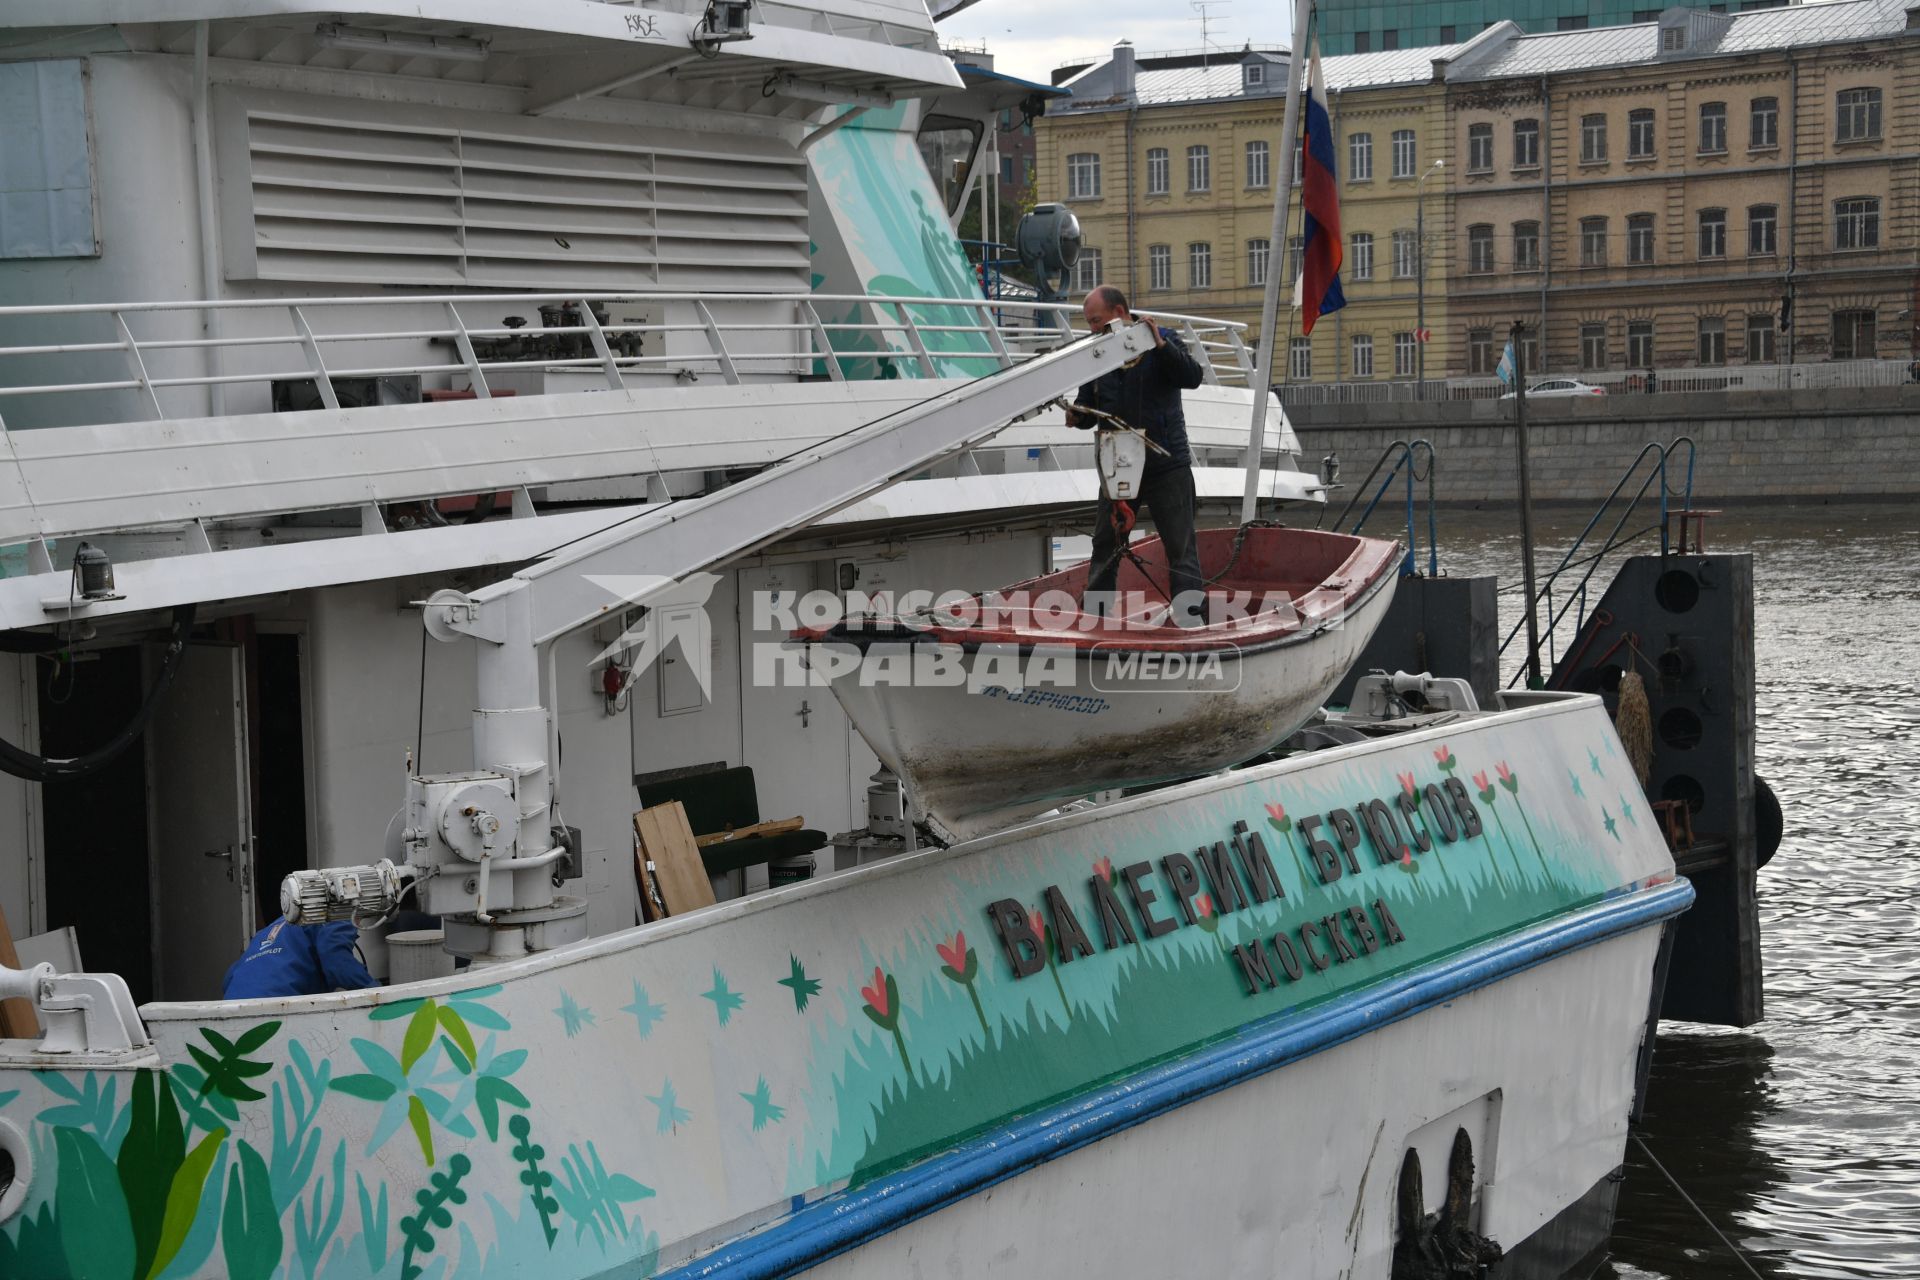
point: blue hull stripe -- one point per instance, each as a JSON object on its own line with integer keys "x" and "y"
{"x": 847, "y": 1219}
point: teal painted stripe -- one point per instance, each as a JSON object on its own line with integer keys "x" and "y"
{"x": 848, "y": 1219}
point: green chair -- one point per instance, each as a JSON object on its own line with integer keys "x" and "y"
{"x": 717, "y": 798}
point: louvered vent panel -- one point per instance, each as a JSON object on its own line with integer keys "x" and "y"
{"x": 449, "y": 204}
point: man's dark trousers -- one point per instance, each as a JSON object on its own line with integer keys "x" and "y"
{"x": 1168, "y": 496}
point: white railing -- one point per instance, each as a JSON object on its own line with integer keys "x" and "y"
{"x": 144, "y": 351}
{"x": 1821, "y": 376}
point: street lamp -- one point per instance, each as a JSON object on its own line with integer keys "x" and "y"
{"x": 1420, "y": 279}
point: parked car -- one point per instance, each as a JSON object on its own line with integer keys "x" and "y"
{"x": 1560, "y": 387}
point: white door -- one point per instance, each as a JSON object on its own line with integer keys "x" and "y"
{"x": 202, "y": 825}
{"x": 794, "y": 736}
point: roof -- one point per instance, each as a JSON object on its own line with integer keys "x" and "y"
{"x": 1496, "y": 55}
{"x": 1820, "y": 22}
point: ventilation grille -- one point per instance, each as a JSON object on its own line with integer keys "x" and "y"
{"x": 386, "y": 203}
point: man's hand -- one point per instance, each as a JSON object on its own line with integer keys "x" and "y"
{"x": 1158, "y": 340}
{"x": 1075, "y": 418}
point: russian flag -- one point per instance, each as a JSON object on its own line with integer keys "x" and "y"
{"x": 1319, "y": 284}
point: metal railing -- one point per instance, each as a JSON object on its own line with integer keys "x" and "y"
{"x": 1405, "y": 457}
{"x": 1573, "y": 605}
{"x": 173, "y": 347}
{"x": 1812, "y": 376}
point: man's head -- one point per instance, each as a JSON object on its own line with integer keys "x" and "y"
{"x": 1104, "y": 305}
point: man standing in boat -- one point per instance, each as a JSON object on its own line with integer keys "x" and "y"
{"x": 1146, "y": 394}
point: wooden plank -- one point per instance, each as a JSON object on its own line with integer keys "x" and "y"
{"x": 17, "y": 1018}
{"x": 667, "y": 841}
{"x": 779, "y": 827}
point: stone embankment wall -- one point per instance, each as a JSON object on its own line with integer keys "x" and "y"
{"x": 1847, "y": 443}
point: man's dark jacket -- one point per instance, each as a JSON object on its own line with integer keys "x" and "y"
{"x": 1146, "y": 394}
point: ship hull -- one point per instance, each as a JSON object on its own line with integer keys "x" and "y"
{"x": 1203, "y": 1027}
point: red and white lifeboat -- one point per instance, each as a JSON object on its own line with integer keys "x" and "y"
{"x": 1001, "y": 706}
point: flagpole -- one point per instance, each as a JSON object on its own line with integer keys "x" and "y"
{"x": 1276, "y": 259}
{"x": 1517, "y": 344}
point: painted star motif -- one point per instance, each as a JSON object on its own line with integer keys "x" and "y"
{"x": 764, "y": 1111}
{"x": 1626, "y": 811}
{"x": 1574, "y": 778}
{"x": 1594, "y": 760}
{"x": 1608, "y": 744}
{"x": 803, "y": 987}
{"x": 645, "y": 1012}
{"x": 1613, "y": 828}
{"x": 725, "y": 1000}
{"x": 672, "y": 1114}
{"x": 574, "y": 1016}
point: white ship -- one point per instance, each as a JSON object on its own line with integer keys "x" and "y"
{"x": 421, "y": 420}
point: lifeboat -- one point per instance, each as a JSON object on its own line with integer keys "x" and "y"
{"x": 996, "y": 707}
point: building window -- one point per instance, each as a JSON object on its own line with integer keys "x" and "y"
{"x": 1643, "y": 16}
{"x": 1362, "y": 257}
{"x": 1530, "y": 352}
{"x": 1480, "y": 248}
{"x": 1448, "y": 35}
{"x": 1713, "y": 128}
{"x": 1526, "y": 144}
{"x": 1713, "y": 340}
{"x": 1853, "y": 335}
{"x": 1158, "y": 171}
{"x": 1570, "y": 22}
{"x": 1086, "y": 270}
{"x": 1363, "y": 355}
{"x": 1858, "y": 115}
{"x": 1160, "y": 266}
{"x": 1640, "y": 344}
{"x": 1856, "y": 223}
{"x": 1673, "y": 39}
{"x": 1479, "y": 148}
{"x": 1404, "y": 154}
{"x": 1199, "y": 169}
{"x": 1404, "y": 358}
{"x": 1363, "y": 42}
{"x": 1299, "y": 161}
{"x": 1255, "y": 74}
{"x": 1480, "y": 351}
{"x": 1258, "y": 251}
{"x": 1640, "y": 135}
{"x": 1763, "y": 226}
{"x": 1257, "y": 166}
{"x": 1639, "y": 237}
{"x": 1760, "y": 338}
{"x": 1300, "y": 359}
{"x": 1526, "y": 246}
{"x": 1713, "y": 233}
{"x": 1200, "y": 265}
{"x": 1296, "y": 254}
{"x": 1593, "y": 139}
{"x": 1593, "y": 242}
{"x": 1389, "y": 39}
{"x": 1593, "y": 346}
{"x": 1083, "y": 176}
{"x": 1405, "y": 255}
{"x": 1763, "y": 123}
{"x": 1359, "y": 157}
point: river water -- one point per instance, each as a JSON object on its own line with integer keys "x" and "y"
{"x": 1800, "y": 1136}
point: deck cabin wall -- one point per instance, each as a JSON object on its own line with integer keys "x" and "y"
{"x": 20, "y": 890}
{"x": 143, "y": 161}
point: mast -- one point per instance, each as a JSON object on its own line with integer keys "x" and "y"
{"x": 1276, "y": 259}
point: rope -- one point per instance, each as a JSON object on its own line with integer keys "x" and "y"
{"x": 1732, "y": 1248}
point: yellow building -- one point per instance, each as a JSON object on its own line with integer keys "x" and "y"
{"x": 1170, "y": 163}
{"x": 1703, "y": 190}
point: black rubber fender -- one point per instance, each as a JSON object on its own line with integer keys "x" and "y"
{"x": 1769, "y": 823}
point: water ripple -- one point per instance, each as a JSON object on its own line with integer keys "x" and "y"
{"x": 1800, "y": 1136}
